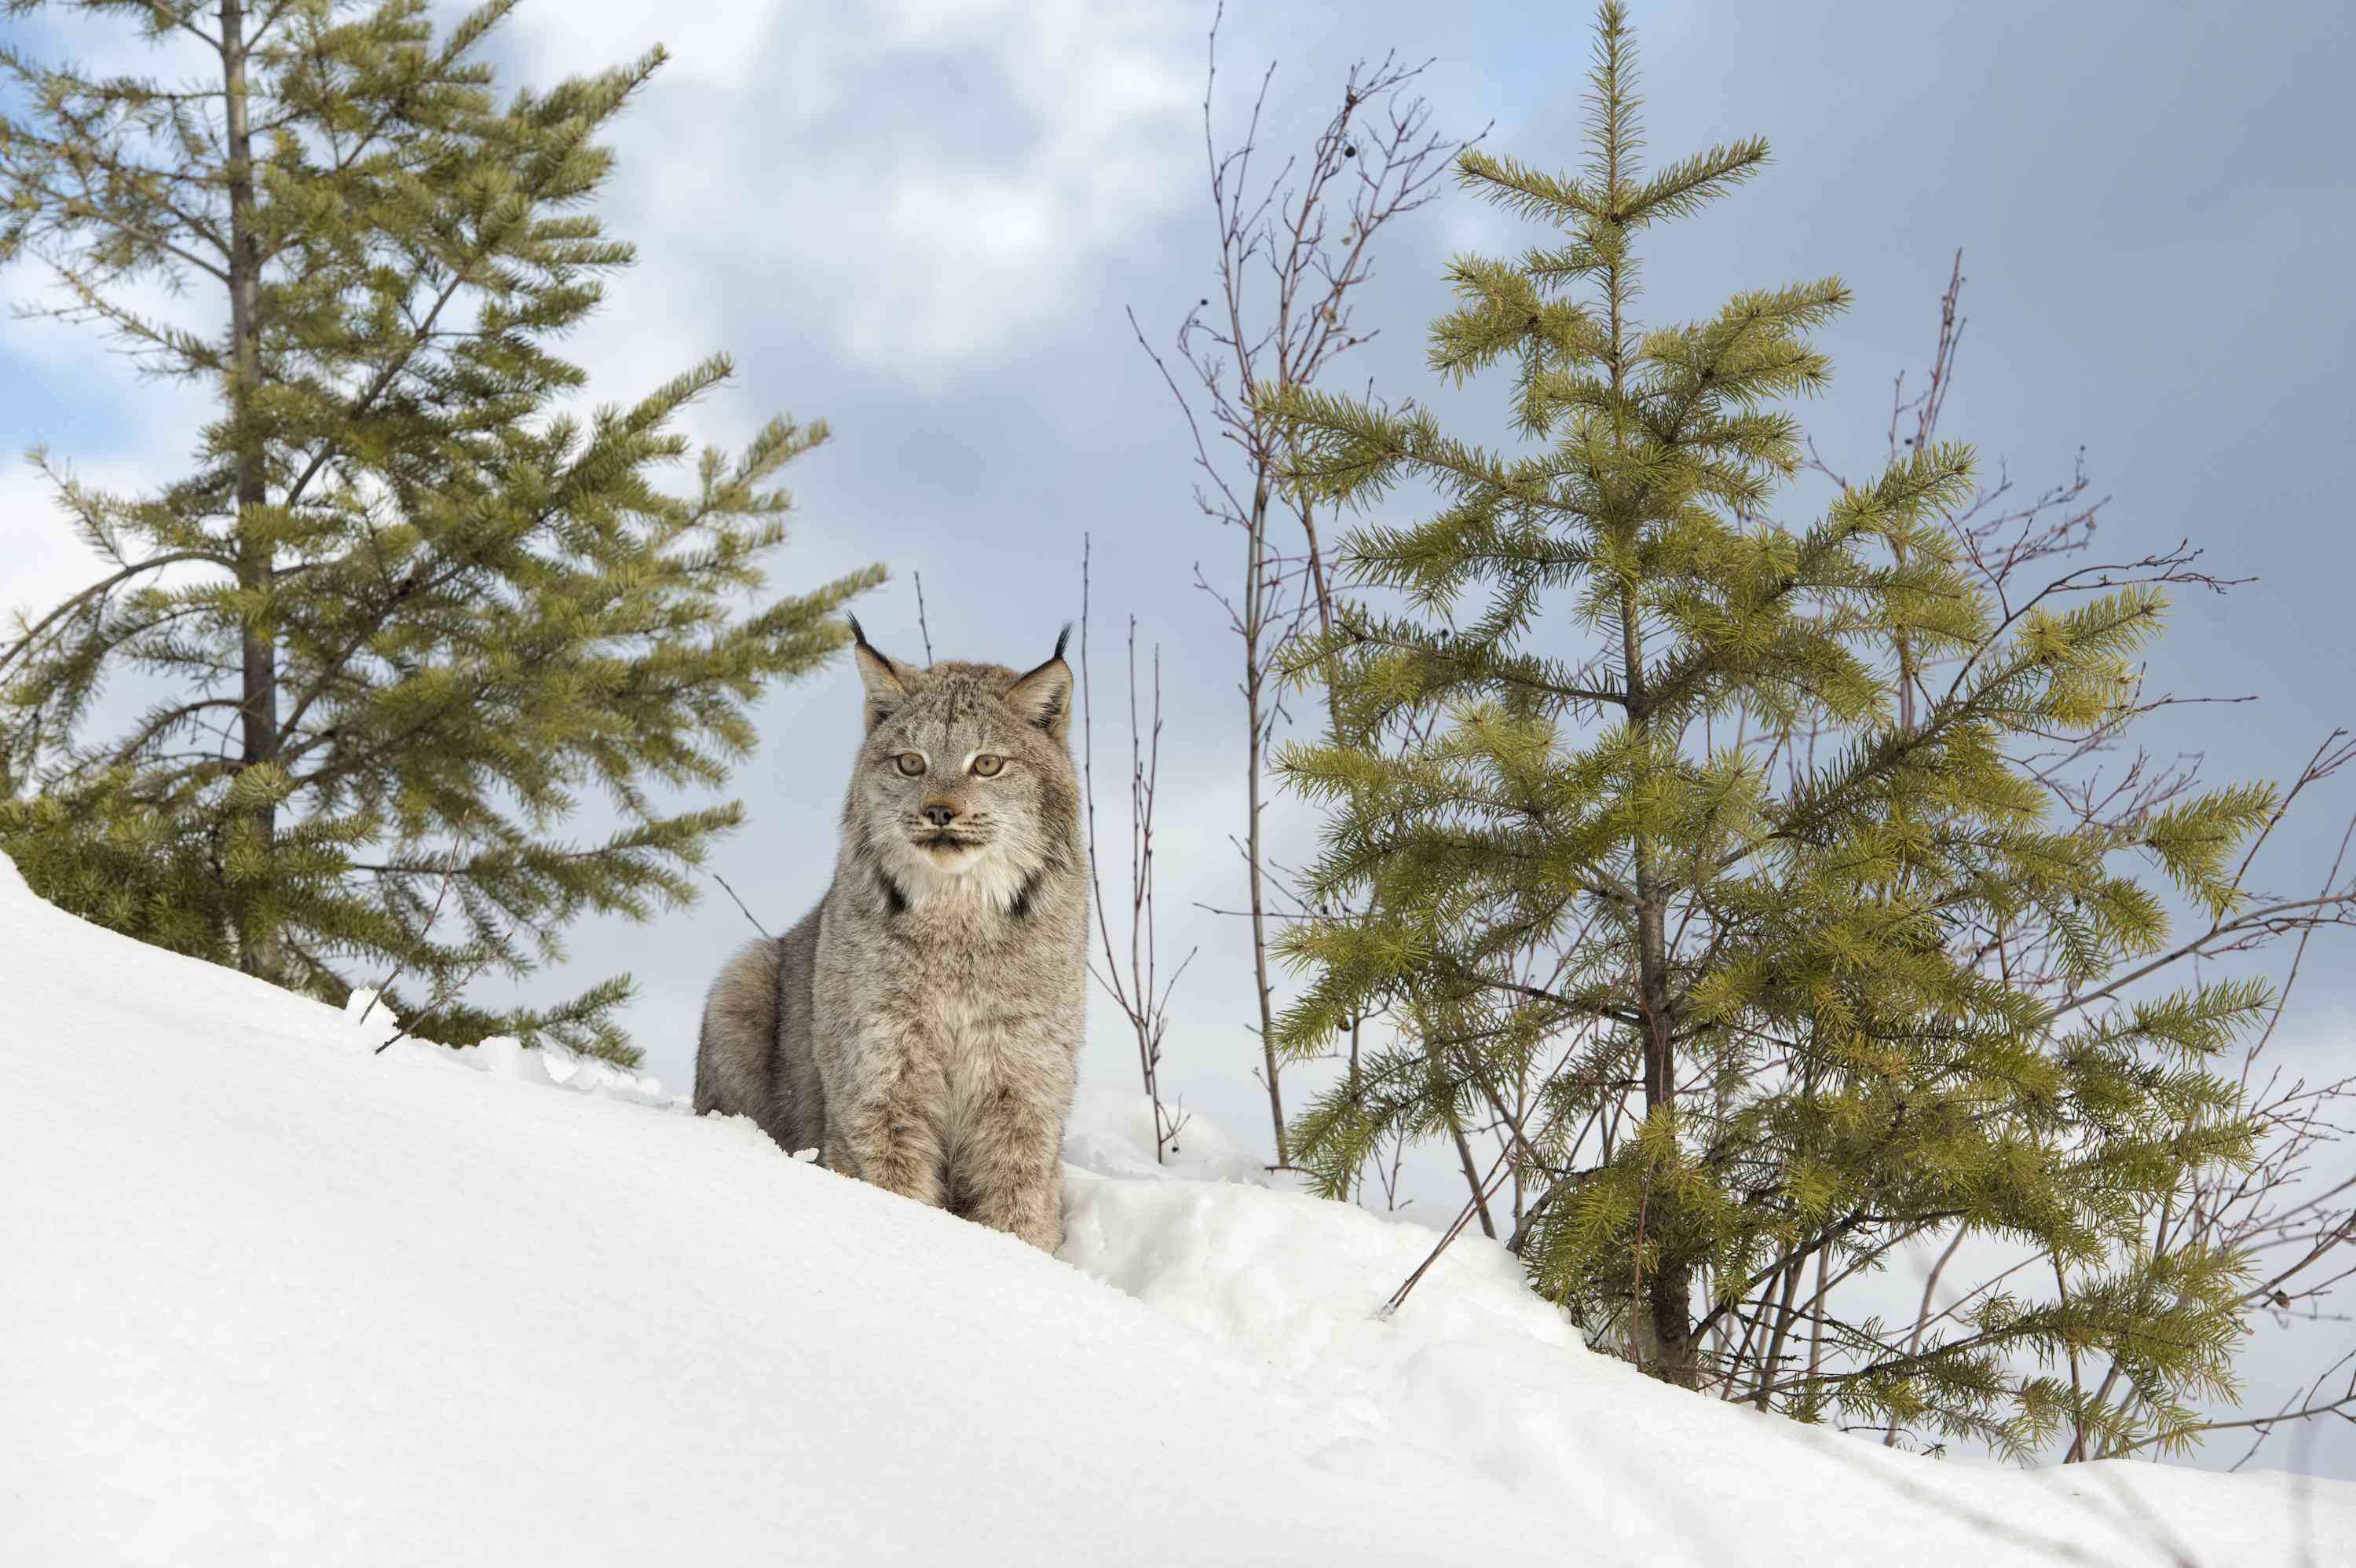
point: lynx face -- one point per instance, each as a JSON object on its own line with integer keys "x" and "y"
{"x": 964, "y": 785}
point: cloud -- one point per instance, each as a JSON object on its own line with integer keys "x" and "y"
{"x": 47, "y": 560}
{"x": 927, "y": 179}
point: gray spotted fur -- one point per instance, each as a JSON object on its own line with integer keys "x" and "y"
{"x": 921, "y": 1026}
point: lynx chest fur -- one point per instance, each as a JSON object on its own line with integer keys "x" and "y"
{"x": 921, "y": 1026}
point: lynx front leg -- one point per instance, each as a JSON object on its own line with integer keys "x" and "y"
{"x": 893, "y": 1137}
{"x": 1012, "y": 1163}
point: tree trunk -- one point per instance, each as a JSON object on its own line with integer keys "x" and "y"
{"x": 1662, "y": 1321}
{"x": 258, "y": 947}
{"x": 1668, "y": 1299}
{"x": 1253, "y": 618}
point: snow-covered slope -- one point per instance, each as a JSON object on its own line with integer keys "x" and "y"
{"x": 266, "y": 1297}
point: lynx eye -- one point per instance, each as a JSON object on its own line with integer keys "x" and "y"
{"x": 911, "y": 763}
{"x": 989, "y": 765}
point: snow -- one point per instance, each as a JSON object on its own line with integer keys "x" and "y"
{"x": 269, "y": 1296}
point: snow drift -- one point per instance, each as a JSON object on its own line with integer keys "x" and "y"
{"x": 269, "y": 1297}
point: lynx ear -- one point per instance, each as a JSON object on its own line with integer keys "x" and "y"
{"x": 886, "y": 688}
{"x": 1044, "y": 696}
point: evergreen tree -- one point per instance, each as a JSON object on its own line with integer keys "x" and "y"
{"x": 403, "y": 614}
{"x": 1690, "y": 906}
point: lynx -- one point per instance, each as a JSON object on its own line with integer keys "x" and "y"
{"x": 921, "y": 1026}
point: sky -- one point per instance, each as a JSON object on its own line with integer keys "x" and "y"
{"x": 923, "y": 221}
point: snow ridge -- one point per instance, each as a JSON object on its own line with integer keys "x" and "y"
{"x": 271, "y": 1296}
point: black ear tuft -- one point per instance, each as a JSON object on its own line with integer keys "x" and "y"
{"x": 1063, "y": 637}
{"x": 1043, "y": 696}
{"x": 884, "y": 684}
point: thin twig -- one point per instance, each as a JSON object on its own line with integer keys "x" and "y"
{"x": 432, "y": 916}
{"x": 740, "y": 902}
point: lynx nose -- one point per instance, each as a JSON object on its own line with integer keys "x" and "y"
{"x": 940, "y": 813}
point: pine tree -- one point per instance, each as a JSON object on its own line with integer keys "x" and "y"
{"x": 403, "y": 614}
{"x": 1690, "y": 906}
